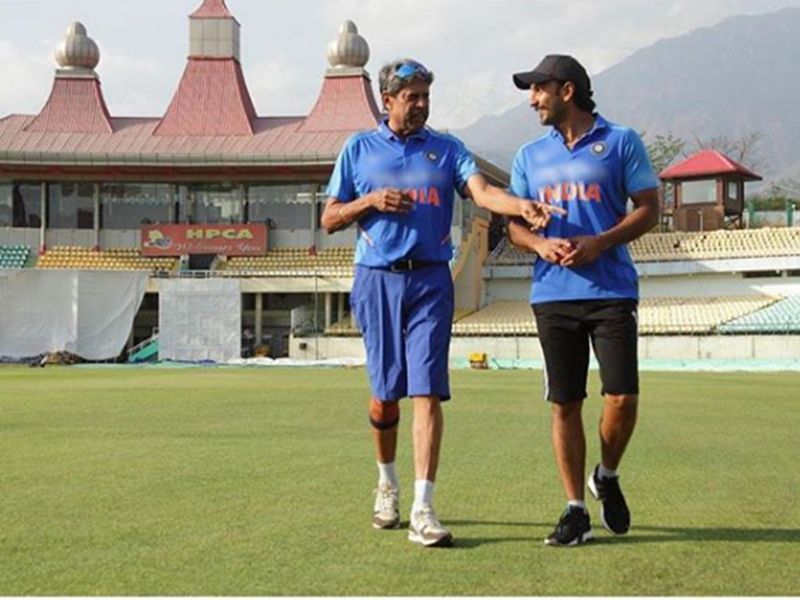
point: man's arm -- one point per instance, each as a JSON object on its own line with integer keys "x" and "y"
{"x": 553, "y": 250}
{"x": 338, "y": 215}
{"x": 497, "y": 200}
{"x": 587, "y": 248}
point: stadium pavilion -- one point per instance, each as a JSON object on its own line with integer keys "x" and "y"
{"x": 81, "y": 189}
{"x": 211, "y": 200}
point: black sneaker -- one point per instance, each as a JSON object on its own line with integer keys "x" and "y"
{"x": 615, "y": 514}
{"x": 573, "y": 528}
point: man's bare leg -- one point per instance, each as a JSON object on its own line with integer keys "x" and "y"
{"x": 425, "y": 527}
{"x": 384, "y": 418}
{"x": 569, "y": 446}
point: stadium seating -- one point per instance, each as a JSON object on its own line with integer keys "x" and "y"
{"x": 112, "y": 259}
{"x": 720, "y": 244}
{"x": 657, "y": 316}
{"x": 660, "y": 316}
{"x": 504, "y": 317}
{"x": 294, "y": 262}
{"x": 506, "y": 254}
{"x": 781, "y": 317}
{"x": 687, "y": 245}
{"x": 13, "y": 257}
{"x": 344, "y": 327}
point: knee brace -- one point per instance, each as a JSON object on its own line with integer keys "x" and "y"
{"x": 383, "y": 415}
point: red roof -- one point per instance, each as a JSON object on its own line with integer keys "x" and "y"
{"x": 75, "y": 105}
{"x": 207, "y": 123}
{"x": 275, "y": 141}
{"x": 211, "y": 9}
{"x": 345, "y": 103}
{"x": 212, "y": 99}
{"x": 707, "y": 162}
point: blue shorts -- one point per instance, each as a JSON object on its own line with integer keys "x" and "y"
{"x": 406, "y": 319}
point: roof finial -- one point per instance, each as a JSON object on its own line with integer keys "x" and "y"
{"x": 78, "y": 52}
{"x": 212, "y": 9}
{"x": 349, "y": 50}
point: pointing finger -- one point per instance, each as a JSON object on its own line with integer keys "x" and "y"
{"x": 553, "y": 210}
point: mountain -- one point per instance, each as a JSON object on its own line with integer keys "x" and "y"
{"x": 735, "y": 78}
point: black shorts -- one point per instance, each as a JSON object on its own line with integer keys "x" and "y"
{"x": 565, "y": 330}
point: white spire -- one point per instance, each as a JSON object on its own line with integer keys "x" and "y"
{"x": 348, "y": 50}
{"x": 78, "y": 53}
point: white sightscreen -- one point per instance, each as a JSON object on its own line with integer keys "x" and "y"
{"x": 88, "y": 313}
{"x": 199, "y": 319}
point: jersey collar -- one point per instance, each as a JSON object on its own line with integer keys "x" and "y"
{"x": 599, "y": 124}
{"x": 386, "y": 132}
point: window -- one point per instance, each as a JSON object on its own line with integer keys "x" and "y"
{"x": 131, "y": 205}
{"x": 21, "y": 205}
{"x": 6, "y": 204}
{"x": 70, "y": 205}
{"x": 703, "y": 191}
{"x": 733, "y": 190}
{"x": 669, "y": 196}
{"x": 283, "y": 206}
{"x": 212, "y": 203}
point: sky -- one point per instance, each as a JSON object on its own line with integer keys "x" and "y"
{"x": 472, "y": 46}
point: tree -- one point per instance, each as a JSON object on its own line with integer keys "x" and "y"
{"x": 742, "y": 149}
{"x": 664, "y": 149}
{"x": 777, "y": 195}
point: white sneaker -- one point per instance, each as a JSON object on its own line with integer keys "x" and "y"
{"x": 386, "y": 514}
{"x": 426, "y": 529}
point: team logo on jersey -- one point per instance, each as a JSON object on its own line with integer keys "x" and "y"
{"x": 432, "y": 156}
{"x": 599, "y": 148}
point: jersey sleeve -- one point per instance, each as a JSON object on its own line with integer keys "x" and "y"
{"x": 464, "y": 166}
{"x": 639, "y": 174}
{"x": 519, "y": 179}
{"x": 342, "y": 185}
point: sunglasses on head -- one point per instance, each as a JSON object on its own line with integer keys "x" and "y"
{"x": 409, "y": 69}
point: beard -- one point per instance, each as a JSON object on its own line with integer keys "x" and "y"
{"x": 416, "y": 119}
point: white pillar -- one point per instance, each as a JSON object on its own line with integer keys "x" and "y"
{"x": 328, "y": 309}
{"x": 96, "y": 222}
{"x": 259, "y": 326}
{"x": 43, "y": 212}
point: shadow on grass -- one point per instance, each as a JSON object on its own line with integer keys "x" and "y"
{"x": 640, "y": 534}
{"x": 644, "y": 534}
{"x": 466, "y": 542}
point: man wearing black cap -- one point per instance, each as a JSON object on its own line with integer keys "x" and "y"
{"x": 585, "y": 287}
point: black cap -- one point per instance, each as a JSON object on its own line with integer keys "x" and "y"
{"x": 555, "y": 66}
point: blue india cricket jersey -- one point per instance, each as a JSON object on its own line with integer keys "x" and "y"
{"x": 592, "y": 182}
{"x": 429, "y": 166}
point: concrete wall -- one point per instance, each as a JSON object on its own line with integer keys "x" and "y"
{"x": 716, "y": 284}
{"x": 69, "y": 237}
{"x": 676, "y": 286}
{"x": 17, "y": 235}
{"x": 310, "y": 348}
{"x": 340, "y": 239}
{"x": 731, "y": 347}
{"x": 120, "y": 238}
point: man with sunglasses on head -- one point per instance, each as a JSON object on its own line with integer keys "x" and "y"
{"x": 585, "y": 287}
{"x": 398, "y": 183}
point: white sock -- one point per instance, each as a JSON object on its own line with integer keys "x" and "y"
{"x": 423, "y": 494}
{"x": 387, "y": 474}
{"x": 577, "y": 503}
{"x": 602, "y": 472}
